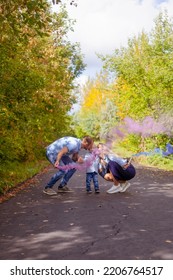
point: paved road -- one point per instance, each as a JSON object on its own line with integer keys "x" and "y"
{"x": 134, "y": 225}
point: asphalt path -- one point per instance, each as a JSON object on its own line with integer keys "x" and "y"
{"x": 135, "y": 225}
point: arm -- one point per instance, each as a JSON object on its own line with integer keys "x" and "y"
{"x": 80, "y": 160}
{"x": 75, "y": 157}
{"x": 59, "y": 156}
{"x": 128, "y": 163}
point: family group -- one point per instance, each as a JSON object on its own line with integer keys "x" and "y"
{"x": 64, "y": 155}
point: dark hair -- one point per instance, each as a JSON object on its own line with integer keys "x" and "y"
{"x": 88, "y": 139}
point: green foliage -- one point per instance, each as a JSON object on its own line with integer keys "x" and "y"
{"x": 143, "y": 70}
{"x": 142, "y": 86}
{"x": 131, "y": 144}
{"x": 97, "y": 114}
{"x": 165, "y": 163}
{"x": 128, "y": 147}
{"x": 37, "y": 72}
{"x": 144, "y": 82}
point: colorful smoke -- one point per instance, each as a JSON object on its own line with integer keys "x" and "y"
{"x": 145, "y": 128}
{"x": 87, "y": 163}
{"x": 81, "y": 166}
{"x": 167, "y": 152}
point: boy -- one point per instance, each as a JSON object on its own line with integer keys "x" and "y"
{"x": 92, "y": 162}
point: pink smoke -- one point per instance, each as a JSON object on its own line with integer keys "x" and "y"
{"x": 145, "y": 128}
{"x": 81, "y": 166}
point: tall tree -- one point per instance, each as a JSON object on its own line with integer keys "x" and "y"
{"x": 97, "y": 113}
{"x": 38, "y": 67}
{"x": 143, "y": 70}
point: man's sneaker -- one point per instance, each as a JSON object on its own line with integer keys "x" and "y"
{"x": 64, "y": 189}
{"x": 125, "y": 186}
{"x": 97, "y": 191}
{"x": 89, "y": 191}
{"x": 49, "y": 191}
{"x": 115, "y": 189}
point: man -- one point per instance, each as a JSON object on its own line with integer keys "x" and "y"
{"x": 58, "y": 154}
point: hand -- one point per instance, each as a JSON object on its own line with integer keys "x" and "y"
{"x": 125, "y": 166}
{"x": 56, "y": 163}
{"x": 75, "y": 157}
{"x": 80, "y": 160}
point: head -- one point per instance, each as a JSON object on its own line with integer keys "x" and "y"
{"x": 87, "y": 143}
{"x": 103, "y": 148}
{"x": 100, "y": 146}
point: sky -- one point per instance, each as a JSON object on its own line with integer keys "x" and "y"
{"x": 104, "y": 25}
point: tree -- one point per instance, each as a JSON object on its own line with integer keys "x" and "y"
{"x": 38, "y": 67}
{"x": 97, "y": 114}
{"x": 143, "y": 70}
{"x": 56, "y": 2}
{"x": 143, "y": 78}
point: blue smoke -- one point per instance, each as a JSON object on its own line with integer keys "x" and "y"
{"x": 167, "y": 152}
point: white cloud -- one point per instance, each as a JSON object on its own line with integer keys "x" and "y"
{"x": 103, "y": 25}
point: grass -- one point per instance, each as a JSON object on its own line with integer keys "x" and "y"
{"x": 13, "y": 173}
{"x": 164, "y": 163}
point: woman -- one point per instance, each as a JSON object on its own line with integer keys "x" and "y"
{"x": 115, "y": 169}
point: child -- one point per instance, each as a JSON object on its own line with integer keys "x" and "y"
{"x": 91, "y": 172}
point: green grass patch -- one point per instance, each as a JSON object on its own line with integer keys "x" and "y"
{"x": 165, "y": 163}
{"x": 13, "y": 173}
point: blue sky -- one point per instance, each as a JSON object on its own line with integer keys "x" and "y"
{"x": 103, "y": 25}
